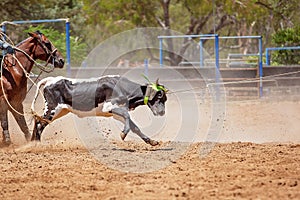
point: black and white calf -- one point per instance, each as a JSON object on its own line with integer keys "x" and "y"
{"x": 105, "y": 96}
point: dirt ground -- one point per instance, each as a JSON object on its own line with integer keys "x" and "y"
{"x": 256, "y": 155}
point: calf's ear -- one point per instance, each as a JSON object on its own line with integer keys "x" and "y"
{"x": 157, "y": 81}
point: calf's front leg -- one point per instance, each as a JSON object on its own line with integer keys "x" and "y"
{"x": 137, "y": 131}
{"x": 125, "y": 117}
{"x": 130, "y": 125}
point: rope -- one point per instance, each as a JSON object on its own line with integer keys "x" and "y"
{"x": 1, "y": 72}
{"x": 185, "y": 90}
{"x": 28, "y": 77}
{"x": 255, "y": 79}
{"x": 237, "y": 82}
{"x": 3, "y": 35}
{"x": 40, "y": 66}
{"x": 25, "y": 72}
{"x": 37, "y": 78}
{"x": 5, "y": 97}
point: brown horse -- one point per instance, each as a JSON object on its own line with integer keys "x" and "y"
{"x": 13, "y": 82}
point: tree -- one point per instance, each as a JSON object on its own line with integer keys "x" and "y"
{"x": 122, "y": 15}
{"x": 43, "y": 9}
{"x": 78, "y": 48}
{"x": 289, "y": 37}
{"x": 224, "y": 17}
{"x": 96, "y": 20}
{"x": 48, "y": 9}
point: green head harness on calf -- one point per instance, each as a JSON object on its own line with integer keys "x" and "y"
{"x": 152, "y": 89}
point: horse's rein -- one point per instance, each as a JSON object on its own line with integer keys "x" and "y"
{"x": 41, "y": 67}
{"x": 51, "y": 54}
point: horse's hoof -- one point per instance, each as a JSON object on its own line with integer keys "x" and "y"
{"x": 123, "y": 135}
{"x": 153, "y": 142}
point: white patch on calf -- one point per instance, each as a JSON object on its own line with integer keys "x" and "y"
{"x": 63, "y": 109}
{"x": 46, "y": 108}
{"x": 108, "y": 106}
{"x": 52, "y": 80}
{"x": 60, "y": 110}
{"x": 61, "y": 106}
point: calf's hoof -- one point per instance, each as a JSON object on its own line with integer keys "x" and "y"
{"x": 153, "y": 142}
{"x": 123, "y": 135}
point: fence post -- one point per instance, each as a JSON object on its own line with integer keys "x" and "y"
{"x": 160, "y": 52}
{"x": 146, "y": 67}
{"x": 201, "y": 52}
{"x": 267, "y": 57}
{"x": 260, "y": 68}
{"x": 217, "y": 72}
{"x": 68, "y": 47}
{"x": 217, "y": 51}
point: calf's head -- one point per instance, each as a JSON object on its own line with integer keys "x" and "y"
{"x": 155, "y": 98}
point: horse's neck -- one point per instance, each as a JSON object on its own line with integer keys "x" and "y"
{"x": 24, "y": 59}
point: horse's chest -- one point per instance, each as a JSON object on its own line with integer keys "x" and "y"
{"x": 17, "y": 94}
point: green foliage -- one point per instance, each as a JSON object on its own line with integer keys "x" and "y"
{"x": 106, "y": 18}
{"x": 78, "y": 47}
{"x": 289, "y": 37}
{"x": 93, "y": 21}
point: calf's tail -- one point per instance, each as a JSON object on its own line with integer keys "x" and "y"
{"x": 38, "y": 90}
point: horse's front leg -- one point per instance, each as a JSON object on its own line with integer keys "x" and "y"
{"x": 4, "y": 123}
{"x": 21, "y": 120}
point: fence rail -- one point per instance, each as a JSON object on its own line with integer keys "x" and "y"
{"x": 268, "y": 57}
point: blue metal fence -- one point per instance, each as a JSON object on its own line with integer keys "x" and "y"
{"x": 215, "y": 37}
{"x": 216, "y": 46}
{"x": 202, "y": 37}
{"x": 268, "y": 57}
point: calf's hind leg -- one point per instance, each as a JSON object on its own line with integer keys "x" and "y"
{"x": 39, "y": 126}
{"x": 40, "y": 123}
